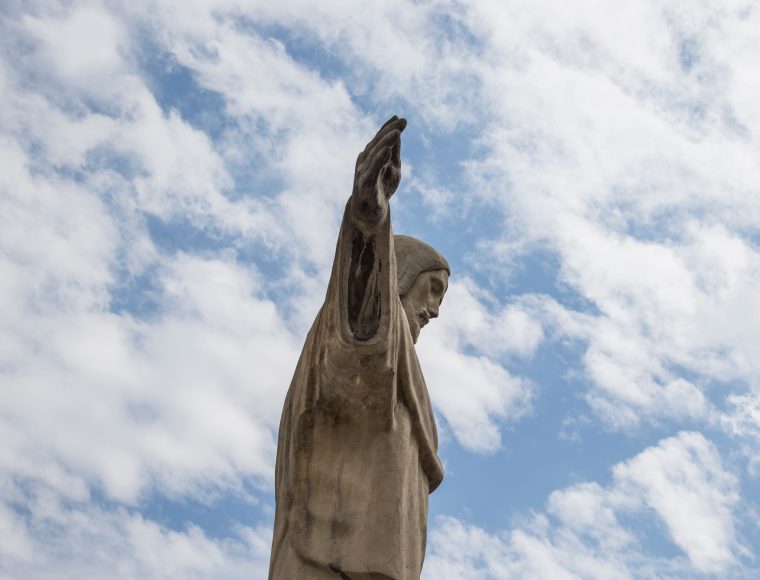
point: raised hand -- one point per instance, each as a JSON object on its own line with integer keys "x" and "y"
{"x": 378, "y": 172}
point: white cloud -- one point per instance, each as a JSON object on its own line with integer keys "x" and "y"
{"x": 742, "y": 422}
{"x": 683, "y": 480}
{"x": 17, "y": 542}
{"x": 83, "y": 46}
{"x": 622, "y": 143}
{"x": 459, "y": 352}
{"x": 185, "y": 403}
{"x": 483, "y": 324}
{"x": 587, "y": 532}
{"x": 662, "y": 308}
{"x": 457, "y": 550}
{"x": 182, "y": 402}
{"x": 85, "y": 541}
{"x": 395, "y": 50}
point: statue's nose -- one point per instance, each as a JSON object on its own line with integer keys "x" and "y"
{"x": 433, "y": 311}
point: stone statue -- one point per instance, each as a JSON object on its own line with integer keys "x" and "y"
{"x": 357, "y": 449}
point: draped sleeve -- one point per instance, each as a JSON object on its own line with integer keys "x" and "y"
{"x": 358, "y": 324}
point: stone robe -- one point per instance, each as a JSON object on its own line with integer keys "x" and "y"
{"x": 357, "y": 449}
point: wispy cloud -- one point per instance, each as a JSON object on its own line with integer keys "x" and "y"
{"x": 163, "y": 256}
{"x": 587, "y": 530}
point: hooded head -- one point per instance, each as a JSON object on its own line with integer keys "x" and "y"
{"x": 423, "y": 278}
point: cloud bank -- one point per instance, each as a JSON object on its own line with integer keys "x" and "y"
{"x": 172, "y": 180}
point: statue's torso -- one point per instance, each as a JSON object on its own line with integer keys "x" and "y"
{"x": 351, "y": 482}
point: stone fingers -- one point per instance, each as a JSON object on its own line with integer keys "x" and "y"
{"x": 395, "y": 123}
{"x": 382, "y": 153}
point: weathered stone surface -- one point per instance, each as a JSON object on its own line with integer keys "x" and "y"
{"x": 357, "y": 450}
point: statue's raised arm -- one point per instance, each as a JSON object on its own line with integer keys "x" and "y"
{"x": 357, "y": 451}
{"x": 376, "y": 178}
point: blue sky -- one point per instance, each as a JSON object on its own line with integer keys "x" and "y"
{"x": 172, "y": 180}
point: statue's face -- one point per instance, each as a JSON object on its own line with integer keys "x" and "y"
{"x": 424, "y": 298}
